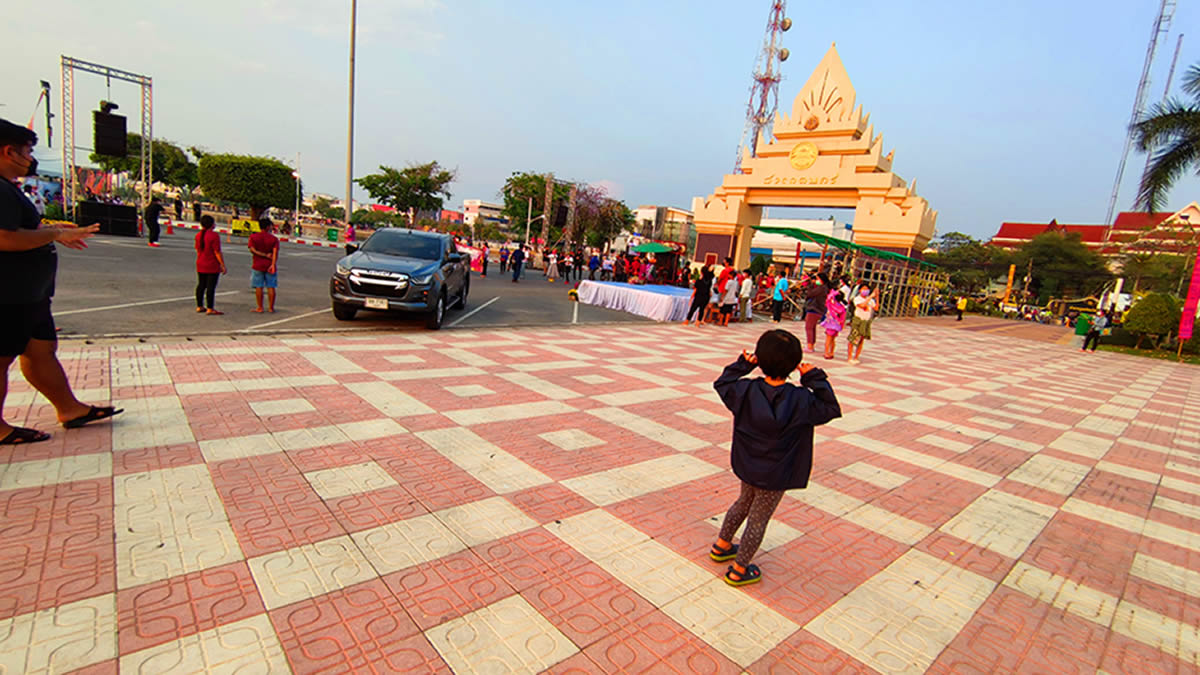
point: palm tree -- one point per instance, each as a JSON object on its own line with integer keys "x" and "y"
{"x": 1171, "y": 131}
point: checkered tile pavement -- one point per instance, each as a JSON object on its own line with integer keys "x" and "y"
{"x": 521, "y": 500}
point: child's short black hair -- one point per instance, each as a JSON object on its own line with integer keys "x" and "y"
{"x": 778, "y": 353}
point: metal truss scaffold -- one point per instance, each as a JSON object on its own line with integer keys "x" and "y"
{"x": 70, "y": 174}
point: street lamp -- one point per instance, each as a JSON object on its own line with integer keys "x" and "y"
{"x": 296, "y": 213}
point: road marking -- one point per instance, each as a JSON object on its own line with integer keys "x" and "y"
{"x": 135, "y": 304}
{"x": 290, "y": 318}
{"x": 120, "y": 243}
{"x": 471, "y": 313}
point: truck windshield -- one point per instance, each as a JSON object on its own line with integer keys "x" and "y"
{"x": 404, "y": 245}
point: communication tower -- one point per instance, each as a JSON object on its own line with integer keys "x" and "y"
{"x": 1162, "y": 26}
{"x": 764, "y": 89}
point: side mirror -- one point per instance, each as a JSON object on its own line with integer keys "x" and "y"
{"x": 454, "y": 257}
{"x": 351, "y": 248}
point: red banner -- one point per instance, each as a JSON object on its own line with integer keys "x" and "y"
{"x": 1193, "y": 299}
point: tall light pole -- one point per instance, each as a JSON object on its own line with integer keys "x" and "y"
{"x": 350, "y": 124}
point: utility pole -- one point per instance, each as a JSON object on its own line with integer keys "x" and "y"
{"x": 528, "y": 215}
{"x": 350, "y": 124}
{"x": 1028, "y": 278}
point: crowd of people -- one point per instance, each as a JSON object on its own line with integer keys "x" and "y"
{"x": 575, "y": 265}
{"x": 824, "y": 301}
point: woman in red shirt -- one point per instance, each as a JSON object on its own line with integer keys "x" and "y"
{"x": 210, "y": 264}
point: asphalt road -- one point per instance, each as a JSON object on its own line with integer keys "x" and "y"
{"x": 121, "y": 287}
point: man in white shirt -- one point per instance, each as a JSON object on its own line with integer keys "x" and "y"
{"x": 745, "y": 295}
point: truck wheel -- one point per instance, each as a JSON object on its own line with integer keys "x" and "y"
{"x": 434, "y": 321}
{"x": 344, "y": 312}
{"x": 462, "y": 298}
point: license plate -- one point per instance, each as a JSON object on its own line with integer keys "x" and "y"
{"x": 377, "y": 303}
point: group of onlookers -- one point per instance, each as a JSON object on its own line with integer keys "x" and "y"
{"x": 822, "y": 301}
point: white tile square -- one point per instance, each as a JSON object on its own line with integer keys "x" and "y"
{"x": 404, "y": 543}
{"x": 701, "y": 416}
{"x": 594, "y": 379}
{"x": 285, "y": 406}
{"x": 404, "y": 358}
{"x": 468, "y": 390}
{"x": 874, "y": 475}
{"x": 239, "y": 366}
{"x": 485, "y": 520}
{"x": 348, "y": 480}
{"x": 248, "y": 645}
{"x": 508, "y": 636}
{"x": 571, "y": 439}
{"x": 310, "y": 570}
{"x": 60, "y": 639}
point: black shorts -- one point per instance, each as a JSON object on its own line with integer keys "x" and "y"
{"x": 727, "y": 309}
{"x": 21, "y": 322}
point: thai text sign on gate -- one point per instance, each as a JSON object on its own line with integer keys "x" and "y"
{"x": 1193, "y": 299}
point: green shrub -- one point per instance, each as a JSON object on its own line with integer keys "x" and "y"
{"x": 1154, "y": 316}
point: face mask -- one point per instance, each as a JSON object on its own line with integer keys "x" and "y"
{"x": 31, "y": 170}
{"x": 865, "y": 293}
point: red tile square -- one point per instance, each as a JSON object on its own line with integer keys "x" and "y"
{"x": 550, "y": 502}
{"x": 447, "y": 588}
{"x": 530, "y": 558}
{"x": 362, "y": 628}
{"x": 803, "y": 652}
{"x": 592, "y": 605}
{"x": 173, "y": 608}
{"x": 656, "y": 643}
{"x": 374, "y": 508}
{"x": 153, "y": 459}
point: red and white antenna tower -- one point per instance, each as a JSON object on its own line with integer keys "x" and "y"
{"x": 1162, "y": 26}
{"x": 764, "y": 92}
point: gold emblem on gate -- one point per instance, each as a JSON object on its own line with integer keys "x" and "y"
{"x": 803, "y": 156}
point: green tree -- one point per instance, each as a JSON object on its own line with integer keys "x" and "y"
{"x": 1158, "y": 272}
{"x": 1155, "y": 316}
{"x": 759, "y": 265}
{"x": 170, "y": 164}
{"x": 518, "y": 189}
{"x": 952, "y": 240}
{"x": 420, "y": 187}
{"x": 257, "y": 182}
{"x": 1062, "y": 266}
{"x": 1171, "y": 131}
{"x": 972, "y": 264}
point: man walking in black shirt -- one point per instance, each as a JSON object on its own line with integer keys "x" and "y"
{"x": 28, "y": 264}
{"x": 151, "y": 219}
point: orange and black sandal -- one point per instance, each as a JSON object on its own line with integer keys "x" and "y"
{"x": 719, "y": 554}
{"x": 750, "y": 576}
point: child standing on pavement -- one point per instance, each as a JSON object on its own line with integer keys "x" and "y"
{"x": 835, "y": 320}
{"x": 772, "y": 447}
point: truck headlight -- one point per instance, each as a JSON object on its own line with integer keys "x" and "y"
{"x": 422, "y": 280}
{"x": 342, "y": 270}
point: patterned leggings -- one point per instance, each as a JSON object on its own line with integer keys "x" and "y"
{"x": 759, "y": 505}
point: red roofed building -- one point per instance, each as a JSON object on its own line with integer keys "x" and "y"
{"x": 1132, "y": 232}
{"x": 1014, "y": 235}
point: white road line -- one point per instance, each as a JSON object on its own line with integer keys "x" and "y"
{"x": 135, "y": 304}
{"x": 290, "y": 318}
{"x": 469, "y": 314}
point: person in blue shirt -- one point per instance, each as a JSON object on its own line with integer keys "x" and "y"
{"x": 781, "y": 286}
{"x": 772, "y": 449}
{"x": 593, "y": 265}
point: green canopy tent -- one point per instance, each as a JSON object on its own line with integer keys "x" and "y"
{"x": 653, "y": 247}
{"x": 900, "y": 276}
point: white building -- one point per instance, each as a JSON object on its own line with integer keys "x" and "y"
{"x": 663, "y": 222}
{"x": 475, "y": 208}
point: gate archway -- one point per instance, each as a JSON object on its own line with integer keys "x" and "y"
{"x": 823, "y": 154}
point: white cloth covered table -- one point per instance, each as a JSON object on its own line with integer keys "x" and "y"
{"x": 661, "y": 303}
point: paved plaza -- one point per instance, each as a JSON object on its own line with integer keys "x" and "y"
{"x": 520, "y": 500}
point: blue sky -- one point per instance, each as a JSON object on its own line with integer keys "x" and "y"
{"x": 1000, "y": 111}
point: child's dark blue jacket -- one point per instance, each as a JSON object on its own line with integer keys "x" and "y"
{"x": 773, "y": 426}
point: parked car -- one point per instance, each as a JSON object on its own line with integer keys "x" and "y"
{"x": 401, "y": 271}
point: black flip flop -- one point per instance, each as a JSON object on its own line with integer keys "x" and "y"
{"x": 22, "y": 436}
{"x": 94, "y": 415}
